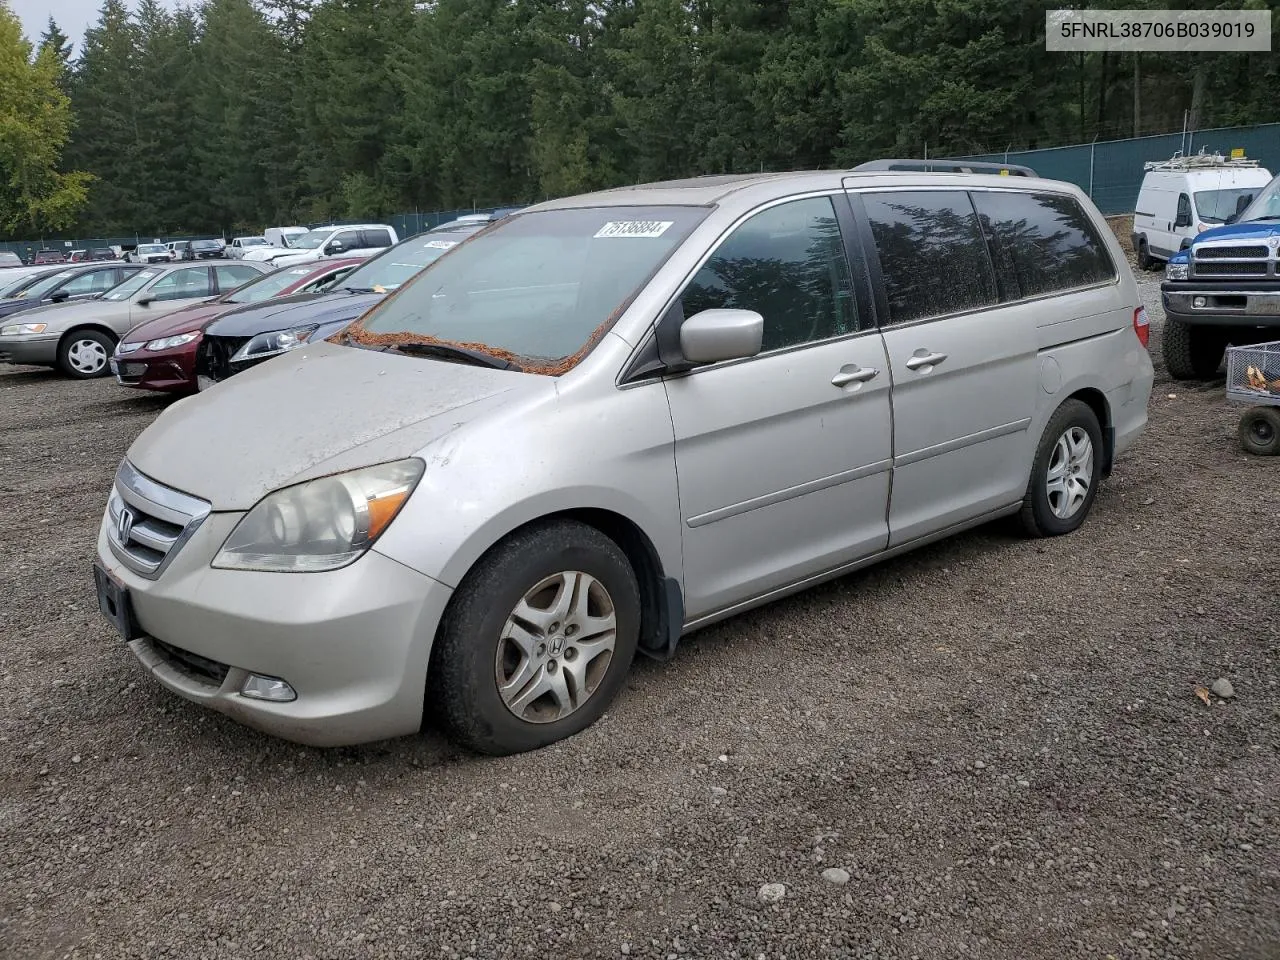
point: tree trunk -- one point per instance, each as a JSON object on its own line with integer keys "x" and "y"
{"x": 1137, "y": 95}
{"x": 1102, "y": 93}
{"x": 1198, "y": 79}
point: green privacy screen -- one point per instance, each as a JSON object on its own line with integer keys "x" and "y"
{"x": 1110, "y": 171}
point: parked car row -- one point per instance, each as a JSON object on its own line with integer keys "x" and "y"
{"x": 149, "y": 323}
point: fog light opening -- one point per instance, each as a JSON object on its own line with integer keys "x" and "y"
{"x": 257, "y": 687}
{"x": 1199, "y": 302}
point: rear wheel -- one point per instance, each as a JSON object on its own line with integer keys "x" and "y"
{"x": 1065, "y": 473}
{"x": 1192, "y": 353}
{"x": 537, "y": 639}
{"x": 84, "y": 354}
{"x": 1260, "y": 431}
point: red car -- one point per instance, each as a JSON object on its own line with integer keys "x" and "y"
{"x": 160, "y": 354}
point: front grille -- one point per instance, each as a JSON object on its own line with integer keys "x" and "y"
{"x": 1256, "y": 268}
{"x": 147, "y": 522}
{"x": 192, "y": 664}
{"x": 1224, "y": 253}
{"x": 213, "y": 357}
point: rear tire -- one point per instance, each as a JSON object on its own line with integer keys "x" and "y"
{"x": 513, "y": 628}
{"x": 85, "y": 354}
{"x": 1192, "y": 353}
{"x": 1065, "y": 472}
{"x": 1260, "y": 431}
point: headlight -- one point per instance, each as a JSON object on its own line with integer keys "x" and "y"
{"x": 269, "y": 344}
{"x": 122, "y": 348}
{"x": 164, "y": 343}
{"x": 322, "y": 524}
{"x": 16, "y": 329}
{"x": 1177, "y": 271}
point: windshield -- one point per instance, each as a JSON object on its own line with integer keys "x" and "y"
{"x": 151, "y": 248}
{"x": 540, "y": 287}
{"x": 268, "y": 285}
{"x": 389, "y": 270}
{"x": 309, "y": 240}
{"x": 1266, "y": 205}
{"x": 1214, "y": 206}
{"x": 123, "y": 291}
{"x": 44, "y": 285}
{"x": 253, "y": 241}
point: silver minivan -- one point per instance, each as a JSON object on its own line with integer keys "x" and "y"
{"x": 612, "y": 419}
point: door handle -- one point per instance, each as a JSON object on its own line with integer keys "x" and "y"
{"x": 851, "y": 374}
{"x": 925, "y": 360}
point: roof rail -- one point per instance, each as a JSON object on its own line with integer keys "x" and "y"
{"x": 948, "y": 166}
{"x": 1199, "y": 161}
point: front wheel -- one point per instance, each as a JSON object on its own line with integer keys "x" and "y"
{"x": 1260, "y": 431}
{"x": 84, "y": 354}
{"x": 537, "y": 640}
{"x": 1191, "y": 352}
{"x": 1144, "y": 255}
{"x": 1065, "y": 472}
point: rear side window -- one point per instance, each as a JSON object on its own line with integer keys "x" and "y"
{"x": 1044, "y": 242}
{"x": 932, "y": 256}
{"x": 376, "y": 238}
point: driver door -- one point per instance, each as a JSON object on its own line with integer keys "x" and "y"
{"x": 783, "y": 459}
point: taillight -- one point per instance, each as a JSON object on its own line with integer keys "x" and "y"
{"x": 1141, "y": 325}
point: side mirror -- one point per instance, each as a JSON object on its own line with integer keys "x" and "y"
{"x": 715, "y": 335}
{"x": 58, "y": 296}
{"x": 145, "y": 301}
{"x": 333, "y": 247}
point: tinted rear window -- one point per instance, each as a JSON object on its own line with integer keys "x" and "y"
{"x": 1044, "y": 242}
{"x": 932, "y": 254}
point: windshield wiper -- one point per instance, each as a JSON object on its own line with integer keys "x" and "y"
{"x": 359, "y": 289}
{"x": 454, "y": 352}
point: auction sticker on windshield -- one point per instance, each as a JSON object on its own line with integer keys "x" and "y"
{"x": 441, "y": 244}
{"x": 634, "y": 228}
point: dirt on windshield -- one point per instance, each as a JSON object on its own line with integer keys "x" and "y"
{"x": 356, "y": 333}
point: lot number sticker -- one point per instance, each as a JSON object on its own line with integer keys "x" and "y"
{"x": 634, "y": 228}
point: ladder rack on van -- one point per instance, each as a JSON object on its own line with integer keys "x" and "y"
{"x": 1199, "y": 161}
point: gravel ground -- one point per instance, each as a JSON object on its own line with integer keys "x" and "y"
{"x": 997, "y": 741}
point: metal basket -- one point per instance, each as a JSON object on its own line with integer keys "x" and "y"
{"x": 1253, "y": 373}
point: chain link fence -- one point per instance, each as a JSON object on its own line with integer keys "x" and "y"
{"x": 1111, "y": 171}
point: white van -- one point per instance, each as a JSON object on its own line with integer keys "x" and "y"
{"x": 1184, "y": 196}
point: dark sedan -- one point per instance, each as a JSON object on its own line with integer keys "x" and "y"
{"x": 249, "y": 336}
{"x": 76, "y": 282}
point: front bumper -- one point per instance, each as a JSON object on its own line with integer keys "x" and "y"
{"x": 353, "y": 643}
{"x": 1226, "y": 303}
{"x": 170, "y": 371}
{"x": 41, "y": 351}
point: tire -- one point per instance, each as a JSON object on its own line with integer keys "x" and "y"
{"x": 1192, "y": 353}
{"x": 1260, "y": 431}
{"x": 1061, "y": 454}
{"x": 1144, "y": 255}
{"x": 472, "y": 657}
{"x": 85, "y": 354}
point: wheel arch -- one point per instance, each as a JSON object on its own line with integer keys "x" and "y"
{"x": 1096, "y": 400}
{"x": 661, "y": 597}
{"x": 88, "y": 325}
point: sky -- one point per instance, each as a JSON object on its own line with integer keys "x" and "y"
{"x": 73, "y": 16}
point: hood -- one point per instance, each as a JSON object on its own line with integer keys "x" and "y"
{"x": 282, "y": 313}
{"x": 317, "y": 410}
{"x": 1251, "y": 230}
{"x": 187, "y": 320}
